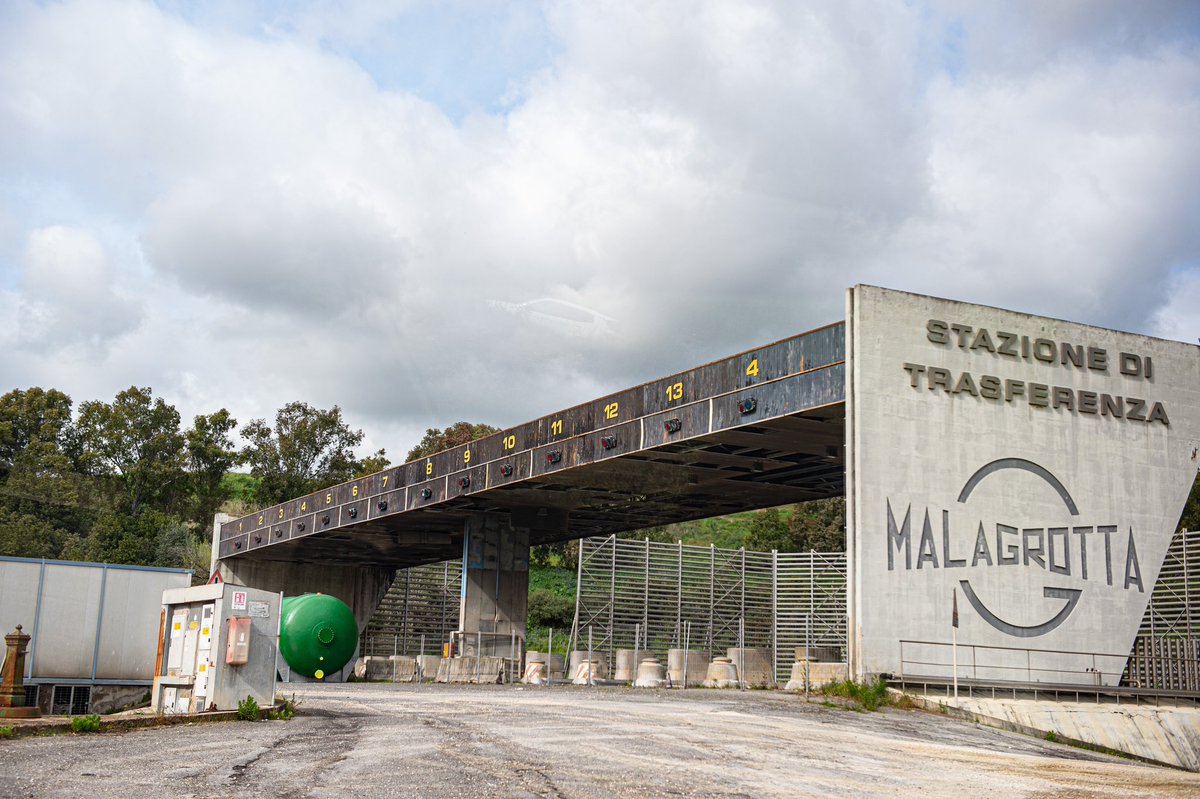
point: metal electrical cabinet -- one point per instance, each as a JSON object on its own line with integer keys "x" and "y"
{"x": 217, "y": 645}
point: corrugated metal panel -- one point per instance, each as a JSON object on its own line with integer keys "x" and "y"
{"x": 90, "y": 620}
{"x": 129, "y": 624}
{"x": 67, "y": 626}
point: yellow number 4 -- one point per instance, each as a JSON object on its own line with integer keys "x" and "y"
{"x": 752, "y": 369}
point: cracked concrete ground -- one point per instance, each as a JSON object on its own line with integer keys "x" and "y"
{"x": 381, "y": 740}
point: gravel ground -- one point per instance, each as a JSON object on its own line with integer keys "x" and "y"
{"x": 379, "y": 740}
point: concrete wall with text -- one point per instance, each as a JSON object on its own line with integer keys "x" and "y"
{"x": 1030, "y": 468}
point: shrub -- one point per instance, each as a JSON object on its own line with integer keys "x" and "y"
{"x": 867, "y": 696}
{"x": 248, "y": 710}
{"x": 6, "y": 732}
{"x": 1052, "y": 737}
{"x": 285, "y": 712}
{"x": 90, "y": 723}
{"x": 547, "y": 609}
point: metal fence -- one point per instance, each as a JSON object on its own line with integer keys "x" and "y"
{"x": 418, "y": 613}
{"x": 1166, "y": 652}
{"x": 714, "y": 598}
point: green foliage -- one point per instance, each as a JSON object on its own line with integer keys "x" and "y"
{"x": 559, "y": 581}
{"x": 307, "y": 449}
{"x": 459, "y": 433}
{"x": 1052, "y": 737}
{"x": 7, "y": 732}
{"x": 136, "y": 440}
{"x": 211, "y": 453}
{"x": 248, "y": 710}
{"x": 90, "y": 723}
{"x": 768, "y": 531}
{"x": 31, "y": 417}
{"x": 863, "y": 696}
{"x": 819, "y": 525}
{"x": 286, "y": 711}
{"x": 563, "y": 555}
{"x": 1191, "y": 511}
{"x": 548, "y": 609}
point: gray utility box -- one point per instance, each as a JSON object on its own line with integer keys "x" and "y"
{"x": 217, "y": 645}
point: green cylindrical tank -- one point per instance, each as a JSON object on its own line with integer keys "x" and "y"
{"x": 317, "y": 634}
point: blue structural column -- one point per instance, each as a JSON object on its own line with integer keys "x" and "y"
{"x": 495, "y": 586}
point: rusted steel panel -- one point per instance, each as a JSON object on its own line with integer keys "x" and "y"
{"x": 387, "y": 503}
{"x": 613, "y": 441}
{"x": 560, "y": 455}
{"x": 660, "y": 428}
{"x": 509, "y": 470}
{"x": 426, "y": 493}
{"x": 353, "y": 512}
{"x": 768, "y": 400}
{"x": 301, "y": 526}
{"x": 670, "y": 392}
{"x": 617, "y": 408}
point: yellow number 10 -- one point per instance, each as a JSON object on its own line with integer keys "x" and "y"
{"x": 510, "y": 442}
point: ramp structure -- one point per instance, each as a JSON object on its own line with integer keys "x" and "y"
{"x": 761, "y": 428}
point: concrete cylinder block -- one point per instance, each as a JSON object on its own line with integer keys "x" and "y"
{"x": 697, "y": 666}
{"x": 754, "y": 666}
{"x": 587, "y": 671}
{"x": 722, "y": 673}
{"x": 535, "y": 673}
{"x": 626, "y": 663}
{"x": 823, "y": 654}
{"x": 650, "y": 674}
{"x": 600, "y": 672}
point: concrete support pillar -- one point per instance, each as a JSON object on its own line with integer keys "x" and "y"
{"x": 495, "y": 592}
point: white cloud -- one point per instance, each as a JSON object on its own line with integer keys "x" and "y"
{"x": 69, "y": 303}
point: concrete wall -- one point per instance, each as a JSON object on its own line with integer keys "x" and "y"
{"x": 984, "y": 462}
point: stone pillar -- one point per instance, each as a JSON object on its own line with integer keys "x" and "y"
{"x": 495, "y": 584}
{"x": 12, "y": 678}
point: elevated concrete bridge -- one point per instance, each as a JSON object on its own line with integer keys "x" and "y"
{"x": 761, "y": 428}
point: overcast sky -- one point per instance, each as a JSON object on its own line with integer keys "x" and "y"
{"x": 241, "y": 204}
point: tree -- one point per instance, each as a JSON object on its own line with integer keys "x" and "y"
{"x": 136, "y": 438}
{"x": 819, "y": 525}
{"x": 769, "y": 530}
{"x": 35, "y": 416}
{"x": 455, "y": 435}
{"x": 307, "y": 449}
{"x": 211, "y": 453}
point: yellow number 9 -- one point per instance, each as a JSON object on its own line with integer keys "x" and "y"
{"x": 466, "y": 456}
